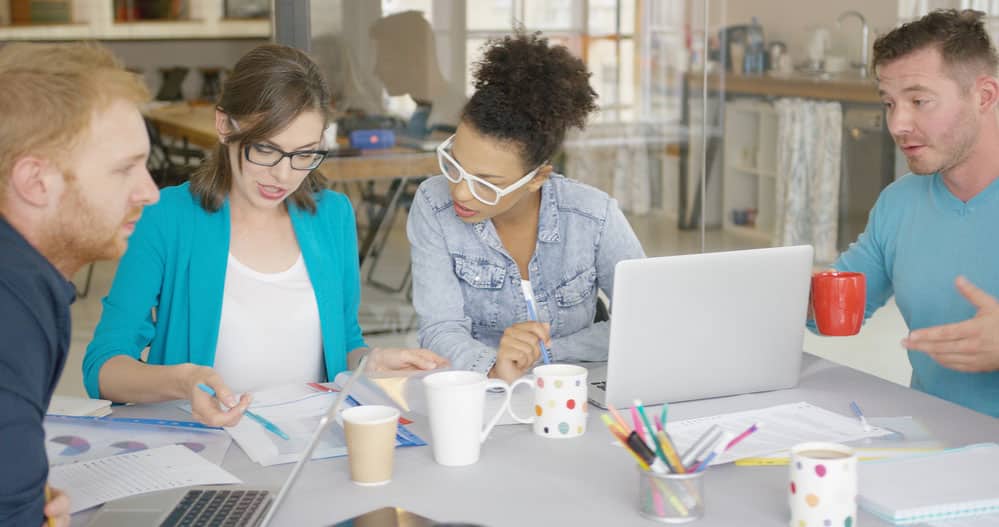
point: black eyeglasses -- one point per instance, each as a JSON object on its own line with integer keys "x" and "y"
{"x": 268, "y": 156}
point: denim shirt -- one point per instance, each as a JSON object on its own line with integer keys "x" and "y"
{"x": 466, "y": 286}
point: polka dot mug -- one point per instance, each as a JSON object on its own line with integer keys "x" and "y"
{"x": 560, "y": 408}
{"x": 822, "y": 490}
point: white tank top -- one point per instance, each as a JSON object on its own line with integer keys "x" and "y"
{"x": 269, "y": 332}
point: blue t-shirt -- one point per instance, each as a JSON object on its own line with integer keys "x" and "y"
{"x": 919, "y": 238}
{"x": 34, "y": 341}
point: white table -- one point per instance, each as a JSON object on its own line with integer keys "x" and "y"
{"x": 523, "y": 480}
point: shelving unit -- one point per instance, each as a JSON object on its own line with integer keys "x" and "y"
{"x": 750, "y": 166}
{"x": 94, "y": 20}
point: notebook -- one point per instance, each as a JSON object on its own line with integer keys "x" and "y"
{"x": 66, "y": 405}
{"x": 950, "y": 484}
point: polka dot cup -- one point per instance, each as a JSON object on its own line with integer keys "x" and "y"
{"x": 560, "y": 407}
{"x": 822, "y": 490}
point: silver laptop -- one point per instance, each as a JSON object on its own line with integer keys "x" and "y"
{"x": 235, "y": 506}
{"x": 705, "y": 325}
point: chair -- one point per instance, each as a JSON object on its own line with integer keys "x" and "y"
{"x": 163, "y": 163}
{"x": 602, "y": 314}
{"x": 385, "y": 218}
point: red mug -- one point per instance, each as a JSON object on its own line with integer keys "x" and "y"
{"x": 838, "y": 299}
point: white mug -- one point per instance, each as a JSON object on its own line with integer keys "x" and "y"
{"x": 455, "y": 403}
{"x": 560, "y": 407}
{"x": 823, "y": 485}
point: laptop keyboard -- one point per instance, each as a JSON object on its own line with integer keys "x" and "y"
{"x": 221, "y": 508}
{"x": 602, "y": 385}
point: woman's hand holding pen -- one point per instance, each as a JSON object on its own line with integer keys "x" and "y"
{"x": 518, "y": 349}
{"x": 205, "y": 408}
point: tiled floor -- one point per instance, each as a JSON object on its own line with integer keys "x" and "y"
{"x": 389, "y": 320}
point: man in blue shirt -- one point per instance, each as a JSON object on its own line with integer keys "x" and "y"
{"x": 73, "y": 181}
{"x": 931, "y": 239}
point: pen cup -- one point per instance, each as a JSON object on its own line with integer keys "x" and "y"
{"x": 671, "y": 497}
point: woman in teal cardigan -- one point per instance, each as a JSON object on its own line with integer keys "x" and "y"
{"x": 246, "y": 277}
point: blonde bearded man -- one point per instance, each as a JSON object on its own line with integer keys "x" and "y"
{"x": 73, "y": 181}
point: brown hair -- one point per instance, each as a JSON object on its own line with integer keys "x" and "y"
{"x": 49, "y": 94}
{"x": 960, "y": 36}
{"x": 529, "y": 93}
{"x": 269, "y": 87}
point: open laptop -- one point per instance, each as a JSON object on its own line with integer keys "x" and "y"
{"x": 705, "y": 325}
{"x": 236, "y": 506}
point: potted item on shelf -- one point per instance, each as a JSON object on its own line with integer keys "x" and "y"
{"x": 132, "y": 10}
{"x": 247, "y": 8}
{"x": 211, "y": 83}
{"x": 41, "y": 11}
{"x": 172, "y": 81}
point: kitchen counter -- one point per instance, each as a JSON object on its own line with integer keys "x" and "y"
{"x": 847, "y": 87}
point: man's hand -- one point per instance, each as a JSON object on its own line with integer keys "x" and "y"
{"x": 970, "y": 346}
{"x": 57, "y": 508}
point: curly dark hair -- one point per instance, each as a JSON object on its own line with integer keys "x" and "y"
{"x": 960, "y": 36}
{"x": 529, "y": 93}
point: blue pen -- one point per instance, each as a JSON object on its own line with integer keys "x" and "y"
{"x": 271, "y": 427}
{"x": 525, "y": 286}
{"x": 860, "y": 415}
{"x": 715, "y": 452}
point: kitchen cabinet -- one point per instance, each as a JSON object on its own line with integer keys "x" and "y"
{"x": 749, "y": 185}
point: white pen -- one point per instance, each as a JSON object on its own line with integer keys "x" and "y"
{"x": 860, "y": 415}
{"x": 708, "y": 439}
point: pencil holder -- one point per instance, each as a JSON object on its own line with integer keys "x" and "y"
{"x": 671, "y": 498}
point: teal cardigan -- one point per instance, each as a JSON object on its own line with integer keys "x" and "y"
{"x": 176, "y": 263}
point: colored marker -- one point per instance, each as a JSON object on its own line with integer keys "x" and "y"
{"x": 615, "y": 428}
{"x": 638, "y": 423}
{"x": 652, "y": 434}
{"x": 617, "y": 416}
{"x": 715, "y": 452}
{"x": 624, "y": 442}
{"x": 740, "y": 437}
{"x": 673, "y": 460}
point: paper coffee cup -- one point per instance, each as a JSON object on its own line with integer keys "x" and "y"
{"x": 370, "y": 432}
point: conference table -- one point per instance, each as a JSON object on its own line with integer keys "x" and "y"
{"x": 522, "y": 479}
{"x": 400, "y": 165}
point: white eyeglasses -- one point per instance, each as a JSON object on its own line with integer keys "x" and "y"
{"x": 481, "y": 189}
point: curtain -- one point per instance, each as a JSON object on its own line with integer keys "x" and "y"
{"x": 809, "y": 146}
{"x": 622, "y": 159}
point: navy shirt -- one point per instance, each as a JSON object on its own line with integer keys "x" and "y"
{"x": 34, "y": 341}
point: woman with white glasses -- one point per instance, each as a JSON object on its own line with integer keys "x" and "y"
{"x": 247, "y": 277}
{"x": 499, "y": 225}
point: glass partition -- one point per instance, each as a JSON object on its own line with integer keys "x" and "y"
{"x": 723, "y": 125}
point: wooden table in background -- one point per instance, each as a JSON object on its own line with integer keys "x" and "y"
{"x": 398, "y": 165}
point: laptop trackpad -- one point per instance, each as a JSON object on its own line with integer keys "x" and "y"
{"x": 126, "y": 518}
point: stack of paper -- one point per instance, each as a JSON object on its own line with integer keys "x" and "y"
{"x": 91, "y": 483}
{"x": 296, "y": 410}
{"x": 782, "y": 427}
{"x": 951, "y": 484}
{"x": 66, "y": 405}
{"x": 72, "y": 439}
